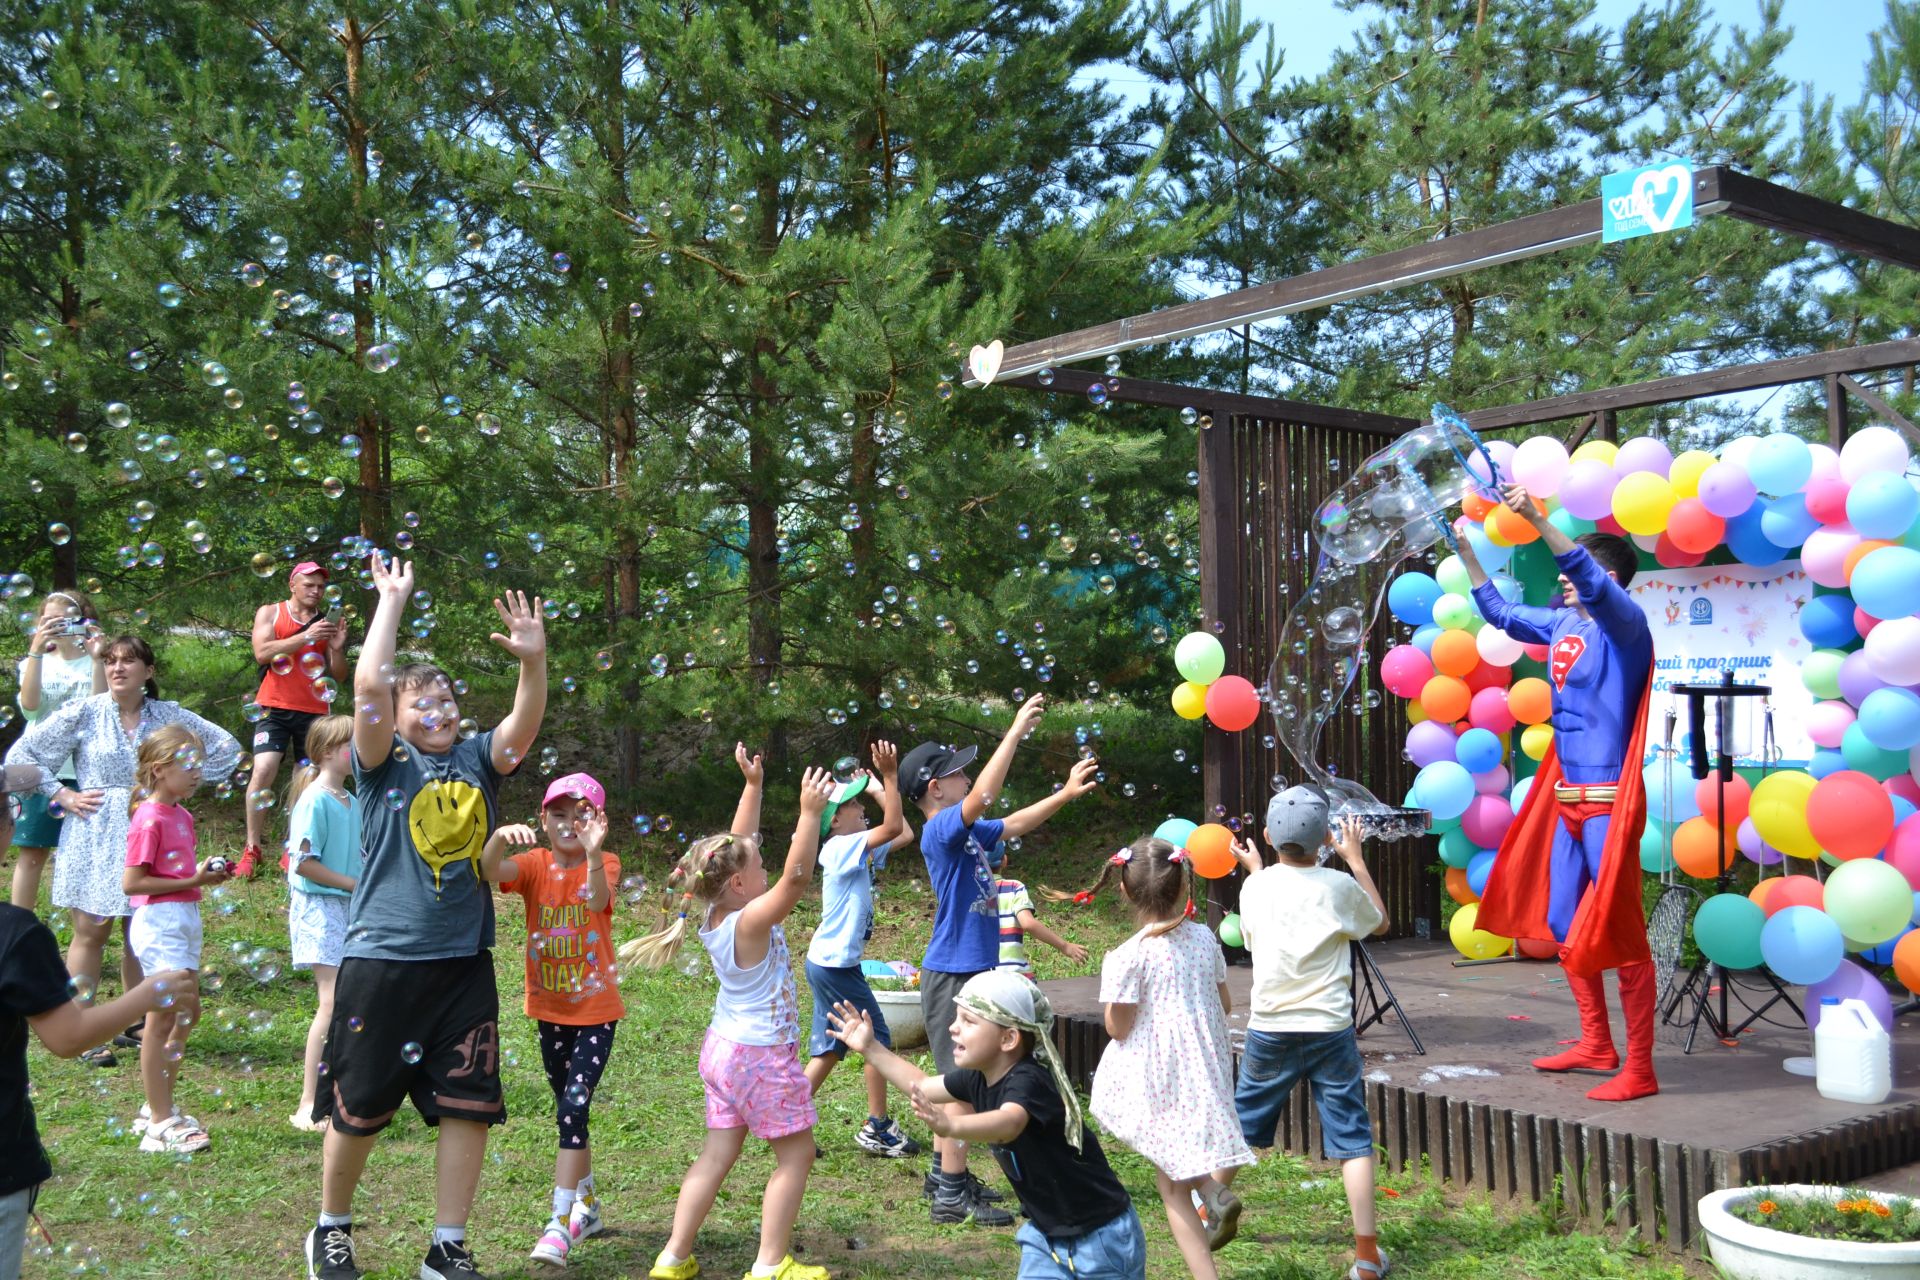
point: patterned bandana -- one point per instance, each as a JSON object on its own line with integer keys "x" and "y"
{"x": 1009, "y": 999}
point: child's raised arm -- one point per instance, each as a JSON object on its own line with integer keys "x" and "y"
{"x": 853, "y": 1027}
{"x": 372, "y": 692}
{"x": 893, "y": 822}
{"x": 495, "y": 866}
{"x": 526, "y": 639}
{"x": 593, "y": 835}
{"x": 746, "y": 814}
{"x": 1079, "y": 782}
{"x": 1030, "y": 923}
{"x": 994, "y": 775}
{"x": 1349, "y": 849}
{"x": 758, "y": 917}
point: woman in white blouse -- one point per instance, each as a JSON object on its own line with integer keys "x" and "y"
{"x": 103, "y": 734}
{"x": 62, "y": 665}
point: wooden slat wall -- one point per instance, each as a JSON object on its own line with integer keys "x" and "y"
{"x": 1260, "y": 483}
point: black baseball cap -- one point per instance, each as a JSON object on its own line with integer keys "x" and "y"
{"x": 928, "y": 761}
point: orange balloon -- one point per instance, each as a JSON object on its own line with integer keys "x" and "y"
{"x": 1854, "y": 557}
{"x": 1906, "y": 961}
{"x": 1446, "y": 698}
{"x": 1530, "y": 700}
{"x": 1457, "y": 886}
{"x": 1211, "y": 849}
{"x": 1760, "y": 890}
{"x": 1477, "y": 507}
{"x": 1702, "y": 850}
{"x": 1512, "y": 526}
{"x": 1455, "y": 653}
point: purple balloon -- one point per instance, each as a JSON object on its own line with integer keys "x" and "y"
{"x": 1494, "y": 782}
{"x": 1587, "y": 491}
{"x": 1756, "y": 849}
{"x": 1856, "y": 679}
{"x": 1726, "y": 490}
{"x": 1429, "y": 742}
{"x": 1851, "y": 982}
{"x": 1643, "y": 453}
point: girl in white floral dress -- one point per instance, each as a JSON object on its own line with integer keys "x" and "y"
{"x": 1165, "y": 1086}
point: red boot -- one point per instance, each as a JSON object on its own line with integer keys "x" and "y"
{"x": 1636, "y": 1006}
{"x": 1595, "y": 1051}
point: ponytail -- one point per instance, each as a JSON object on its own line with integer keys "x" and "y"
{"x": 325, "y": 736}
{"x": 702, "y": 873}
{"x": 1157, "y": 877}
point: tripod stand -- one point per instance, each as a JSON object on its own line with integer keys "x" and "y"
{"x": 1700, "y": 983}
{"x": 1373, "y": 999}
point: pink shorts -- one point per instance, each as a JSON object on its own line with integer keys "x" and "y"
{"x": 760, "y": 1087}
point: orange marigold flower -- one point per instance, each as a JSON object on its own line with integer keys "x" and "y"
{"x": 1881, "y": 1211}
{"x": 1844, "y": 1206}
{"x": 1767, "y": 1206}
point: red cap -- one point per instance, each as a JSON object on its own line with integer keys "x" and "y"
{"x": 306, "y": 567}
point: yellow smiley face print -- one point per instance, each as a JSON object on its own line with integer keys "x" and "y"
{"x": 448, "y": 822}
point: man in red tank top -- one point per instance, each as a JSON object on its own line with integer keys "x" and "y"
{"x": 296, "y": 642}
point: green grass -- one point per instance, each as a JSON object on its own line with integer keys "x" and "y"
{"x": 242, "y": 1208}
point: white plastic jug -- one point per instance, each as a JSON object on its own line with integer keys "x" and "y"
{"x": 1852, "y": 1053}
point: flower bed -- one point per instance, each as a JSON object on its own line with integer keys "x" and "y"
{"x": 1811, "y": 1233}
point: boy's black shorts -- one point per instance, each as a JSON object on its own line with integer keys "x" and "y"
{"x": 444, "y": 1014}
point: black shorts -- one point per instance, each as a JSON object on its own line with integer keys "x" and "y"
{"x": 284, "y": 732}
{"x": 422, "y": 1029}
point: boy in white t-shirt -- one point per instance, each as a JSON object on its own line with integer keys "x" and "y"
{"x": 1299, "y": 920}
{"x": 849, "y": 856}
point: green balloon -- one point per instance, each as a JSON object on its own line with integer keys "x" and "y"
{"x": 1869, "y": 899}
{"x": 1727, "y": 930}
{"x": 1199, "y": 658}
{"x": 1230, "y": 931}
{"x": 1571, "y": 525}
{"x": 1456, "y": 850}
{"x": 1452, "y": 611}
{"x": 1876, "y": 762}
{"x": 1821, "y": 672}
{"x": 1452, "y": 577}
{"x": 1655, "y": 856}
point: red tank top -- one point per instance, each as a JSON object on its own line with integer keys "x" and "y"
{"x": 294, "y": 690}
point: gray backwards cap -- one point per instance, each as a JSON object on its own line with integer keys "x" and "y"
{"x": 1298, "y": 816}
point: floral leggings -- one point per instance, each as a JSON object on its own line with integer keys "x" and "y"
{"x": 574, "y": 1058}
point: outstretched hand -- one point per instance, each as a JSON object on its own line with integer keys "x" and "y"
{"x": 526, "y": 634}
{"x": 751, "y": 767}
{"x": 816, "y": 788}
{"x": 392, "y": 580}
{"x": 592, "y": 830}
{"x": 886, "y": 759}
{"x": 1522, "y": 504}
{"x": 1348, "y": 843}
{"x": 931, "y": 1114}
{"x": 1028, "y": 716}
{"x": 851, "y": 1026}
{"x": 1080, "y": 779}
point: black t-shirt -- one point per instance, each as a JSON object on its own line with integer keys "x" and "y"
{"x": 33, "y": 981}
{"x": 1066, "y": 1193}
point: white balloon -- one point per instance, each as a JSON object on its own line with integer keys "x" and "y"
{"x": 1540, "y": 464}
{"x": 1872, "y": 449}
{"x": 1893, "y": 651}
{"x": 1497, "y": 647}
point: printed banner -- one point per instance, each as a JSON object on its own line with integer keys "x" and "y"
{"x": 1646, "y": 201}
{"x": 1712, "y": 618}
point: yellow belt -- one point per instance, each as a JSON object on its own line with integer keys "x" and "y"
{"x": 1599, "y": 793}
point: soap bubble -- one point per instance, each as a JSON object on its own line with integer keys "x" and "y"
{"x": 333, "y": 486}
{"x": 119, "y": 415}
{"x": 356, "y": 1024}
{"x": 350, "y": 445}
{"x": 214, "y": 374}
{"x": 138, "y": 360}
{"x": 263, "y": 564}
{"x": 59, "y": 534}
{"x": 578, "y": 1094}
{"x": 381, "y": 357}
{"x": 292, "y": 185}
{"x": 170, "y": 295}
{"x": 76, "y": 442}
{"x": 1097, "y": 393}
{"x": 411, "y": 1052}
{"x": 396, "y": 799}
{"x": 252, "y": 274}
{"x": 81, "y": 988}
{"x": 487, "y": 423}
{"x": 1189, "y": 415}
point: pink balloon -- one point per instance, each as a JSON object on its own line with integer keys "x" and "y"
{"x": 1824, "y": 555}
{"x": 1827, "y": 723}
{"x": 1494, "y": 782}
{"x": 1726, "y": 490}
{"x": 1587, "y": 490}
{"x": 1489, "y": 711}
{"x": 1540, "y": 464}
{"x": 1863, "y": 622}
{"x": 1827, "y": 499}
{"x": 1405, "y": 671}
{"x": 1903, "y": 850}
{"x": 1826, "y": 464}
{"x": 1901, "y": 786}
{"x": 1643, "y": 453}
{"x": 1486, "y": 820}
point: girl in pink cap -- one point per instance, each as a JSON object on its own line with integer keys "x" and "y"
{"x": 571, "y": 990}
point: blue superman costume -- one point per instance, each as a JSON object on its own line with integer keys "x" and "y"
{"x": 1585, "y": 849}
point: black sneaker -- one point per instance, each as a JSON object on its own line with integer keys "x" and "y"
{"x": 971, "y": 1207}
{"x": 449, "y": 1262}
{"x": 330, "y": 1254}
{"x": 976, "y": 1189}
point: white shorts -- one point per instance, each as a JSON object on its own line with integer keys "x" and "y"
{"x": 166, "y": 935}
{"x": 317, "y": 928}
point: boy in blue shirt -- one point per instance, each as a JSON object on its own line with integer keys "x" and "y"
{"x": 954, "y": 841}
{"x": 849, "y": 856}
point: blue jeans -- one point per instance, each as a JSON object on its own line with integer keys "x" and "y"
{"x": 1274, "y": 1061}
{"x": 15, "y": 1210}
{"x": 1116, "y": 1251}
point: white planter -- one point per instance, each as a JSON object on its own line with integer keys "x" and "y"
{"x": 905, "y": 1023}
{"x": 1746, "y": 1252}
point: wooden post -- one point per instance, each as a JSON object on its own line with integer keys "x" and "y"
{"x": 1836, "y": 411}
{"x": 1609, "y": 425}
{"x": 1222, "y": 599}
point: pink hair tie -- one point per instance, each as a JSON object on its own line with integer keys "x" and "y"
{"x": 1178, "y": 855}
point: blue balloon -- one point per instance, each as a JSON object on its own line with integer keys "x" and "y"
{"x": 1802, "y": 945}
{"x": 1825, "y": 761}
{"x": 1667, "y": 775}
{"x": 1890, "y": 720}
{"x": 1882, "y": 505}
{"x": 1882, "y": 955}
{"x": 1827, "y": 622}
{"x": 1748, "y": 543}
{"x": 1785, "y": 523}
{"x": 1521, "y": 790}
{"x": 1903, "y": 809}
{"x": 1445, "y": 789}
{"x": 1492, "y": 554}
{"x": 1478, "y": 870}
{"x": 1423, "y": 637}
{"x": 1508, "y": 586}
{"x": 1886, "y": 582}
{"x": 1412, "y": 597}
{"x": 1780, "y": 464}
{"x": 1175, "y": 831}
{"x": 1915, "y": 917}
{"x": 1860, "y": 753}
{"x": 1478, "y": 750}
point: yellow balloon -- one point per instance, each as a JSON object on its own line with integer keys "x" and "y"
{"x": 1641, "y": 502}
{"x": 1492, "y": 529}
{"x": 1472, "y": 941}
{"x": 1684, "y": 475}
{"x": 1189, "y": 700}
{"x": 1779, "y": 813}
{"x": 1535, "y": 740}
{"x": 1416, "y": 714}
{"x": 1604, "y": 450}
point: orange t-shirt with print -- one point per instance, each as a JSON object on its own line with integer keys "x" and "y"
{"x": 570, "y": 978}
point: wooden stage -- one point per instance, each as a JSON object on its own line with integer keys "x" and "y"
{"x": 1473, "y": 1106}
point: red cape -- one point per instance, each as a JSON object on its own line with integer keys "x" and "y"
{"x": 1610, "y": 927}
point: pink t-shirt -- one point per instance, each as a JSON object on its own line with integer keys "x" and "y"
{"x": 160, "y": 838}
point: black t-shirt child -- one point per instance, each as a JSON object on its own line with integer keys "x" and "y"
{"x": 1066, "y": 1193}
{"x": 33, "y": 981}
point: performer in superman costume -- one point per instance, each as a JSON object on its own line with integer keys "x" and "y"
{"x": 1569, "y": 867}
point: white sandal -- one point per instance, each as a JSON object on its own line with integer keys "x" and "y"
{"x": 143, "y": 1120}
{"x": 175, "y": 1136}
{"x": 1364, "y": 1270}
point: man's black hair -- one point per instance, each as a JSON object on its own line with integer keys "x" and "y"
{"x": 1614, "y": 554}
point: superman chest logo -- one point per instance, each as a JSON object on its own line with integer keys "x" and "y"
{"x": 1565, "y": 654}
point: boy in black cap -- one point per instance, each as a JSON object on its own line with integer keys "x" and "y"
{"x": 966, "y": 924}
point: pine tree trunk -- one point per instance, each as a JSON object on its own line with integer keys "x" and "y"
{"x": 376, "y": 465}
{"x": 623, "y": 434}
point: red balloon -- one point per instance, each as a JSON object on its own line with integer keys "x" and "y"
{"x": 1795, "y": 891}
{"x": 1488, "y": 711}
{"x": 1232, "y": 703}
{"x": 1850, "y": 814}
{"x": 1694, "y": 529}
{"x": 1827, "y": 501}
{"x": 1607, "y": 524}
{"x": 1535, "y": 949}
{"x": 1739, "y": 797}
{"x": 1488, "y": 676}
{"x": 1538, "y": 652}
{"x": 1670, "y": 556}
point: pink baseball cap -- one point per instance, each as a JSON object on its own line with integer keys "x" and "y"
{"x": 576, "y": 786}
{"x": 306, "y": 567}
